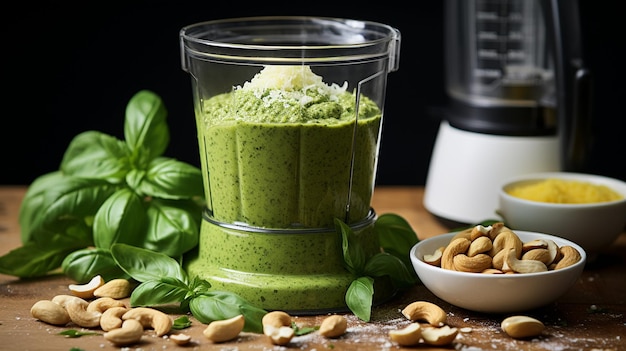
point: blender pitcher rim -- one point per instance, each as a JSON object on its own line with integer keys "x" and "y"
{"x": 385, "y": 34}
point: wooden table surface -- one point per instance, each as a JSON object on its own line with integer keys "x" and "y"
{"x": 591, "y": 316}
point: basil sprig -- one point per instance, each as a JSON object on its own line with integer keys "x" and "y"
{"x": 164, "y": 282}
{"x": 109, "y": 191}
{"x": 396, "y": 239}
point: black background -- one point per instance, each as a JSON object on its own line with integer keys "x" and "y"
{"x": 68, "y": 68}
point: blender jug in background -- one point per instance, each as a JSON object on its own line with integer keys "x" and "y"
{"x": 518, "y": 102}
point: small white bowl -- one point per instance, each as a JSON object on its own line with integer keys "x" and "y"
{"x": 594, "y": 226}
{"x": 495, "y": 293}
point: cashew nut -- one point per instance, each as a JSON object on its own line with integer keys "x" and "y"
{"x": 85, "y": 291}
{"x": 224, "y": 330}
{"x": 279, "y": 335}
{"x": 276, "y": 319}
{"x": 542, "y": 255}
{"x": 63, "y": 300}
{"x": 407, "y": 336}
{"x": 115, "y": 288}
{"x": 150, "y": 317}
{"x": 439, "y": 336}
{"x": 130, "y": 333}
{"x": 479, "y": 231}
{"x": 180, "y": 339}
{"x": 474, "y": 264}
{"x": 569, "y": 256}
{"x": 425, "y": 311}
{"x": 497, "y": 228}
{"x": 504, "y": 241}
{"x": 333, "y": 326}
{"x": 104, "y": 303}
{"x": 507, "y": 240}
{"x": 479, "y": 245}
{"x": 511, "y": 263}
{"x": 277, "y": 326}
{"x": 112, "y": 318}
{"x": 77, "y": 310}
{"x": 435, "y": 258}
{"x": 522, "y": 327}
{"x": 50, "y": 312}
{"x": 455, "y": 247}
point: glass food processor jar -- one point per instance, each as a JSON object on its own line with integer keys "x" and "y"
{"x": 288, "y": 114}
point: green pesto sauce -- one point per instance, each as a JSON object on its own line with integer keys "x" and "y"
{"x": 275, "y": 162}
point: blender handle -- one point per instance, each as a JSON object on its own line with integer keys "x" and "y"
{"x": 573, "y": 82}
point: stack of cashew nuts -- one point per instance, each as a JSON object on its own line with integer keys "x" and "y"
{"x": 497, "y": 249}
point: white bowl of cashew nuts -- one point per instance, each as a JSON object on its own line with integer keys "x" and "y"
{"x": 488, "y": 269}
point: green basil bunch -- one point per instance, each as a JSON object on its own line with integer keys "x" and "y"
{"x": 109, "y": 191}
{"x": 164, "y": 282}
{"x": 396, "y": 239}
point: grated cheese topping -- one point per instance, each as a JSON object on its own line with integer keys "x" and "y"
{"x": 291, "y": 83}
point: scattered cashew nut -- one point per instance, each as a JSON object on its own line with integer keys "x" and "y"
{"x": 115, "y": 288}
{"x": 77, "y": 310}
{"x": 180, "y": 339}
{"x": 519, "y": 327}
{"x": 425, "y": 311}
{"x": 224, "y": 330}
{"x": 407, "y": 336}
{"x": 112, "y": 318}
{"x": 333, "y": 326}
{"x": 277, "y": 326}
{"x": 85, "y": 291}
{"x": 130, "y": 333}
{"x": 439, "y": 336}
{"x": 104, "y": 303}
{"x": 50, "y": 312}
{"x": 150, "y": 317}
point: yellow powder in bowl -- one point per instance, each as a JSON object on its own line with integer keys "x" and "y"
{"x": 564, "y": 192}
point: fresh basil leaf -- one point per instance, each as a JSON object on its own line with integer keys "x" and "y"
{"x": 31, "y": 260}
{"x": 168, "y": 178}
{"x": 218, "y": 305}
{"x": 67, "y": 233}
{"x": 298, "y": 331}
{"x": 73, "y": 333}
{"x": 94, "y": 154}
{"x": 84, "y": 264}
{"x": 135, "y": 177}
{"x": 199, "y": 285}
{"x": 145, "y": 127}
{"x": 120, "y": 219}
{"x": 181, "y": 322}
{"x": 33, "y": 204}
{"x": 74, "y": 199}
{"x": 353, "y": 254}
{"x": 144, "y": 265}
{"x": 384, "y": 264}
{"x": 359, "y": 297}
{"x": 171, "y": 229}
{"x": 158, "y": 292}
{"x": 396, "y": 236}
